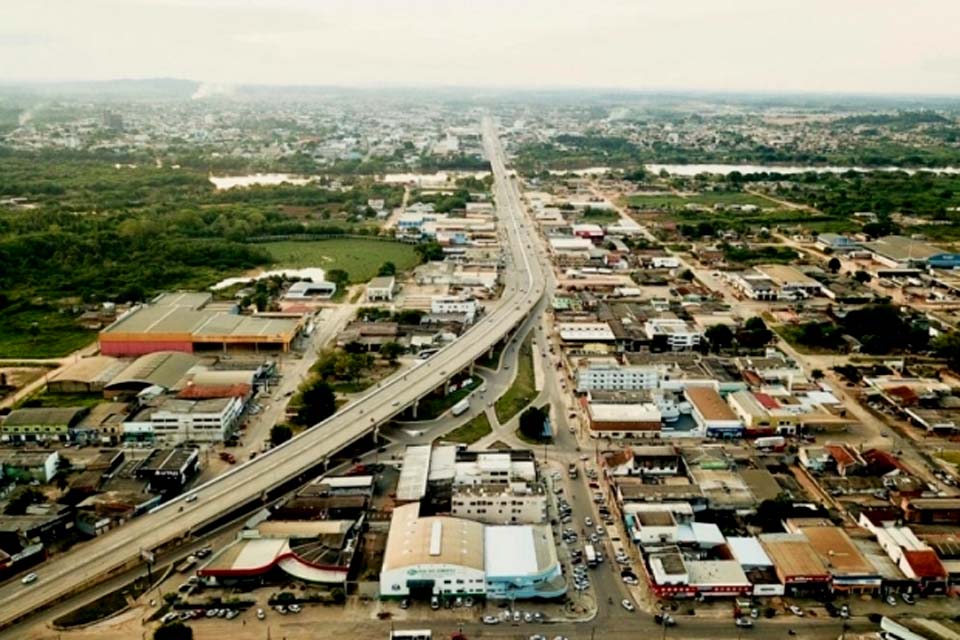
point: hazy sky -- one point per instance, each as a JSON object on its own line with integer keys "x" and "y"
{"x": 904, "y": 46}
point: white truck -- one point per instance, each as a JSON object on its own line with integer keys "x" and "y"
{"x": 460, "y": 407}
{"x": 591, "y": 555}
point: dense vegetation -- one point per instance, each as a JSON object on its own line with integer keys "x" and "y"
{"x": 76, "y": 229}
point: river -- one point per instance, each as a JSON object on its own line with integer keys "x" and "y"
{"x": 725, "y": 169}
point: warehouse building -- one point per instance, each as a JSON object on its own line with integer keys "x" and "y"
{"x": 446, "y": 556}
{"x": 714, "y": 417}
{"x": 86, "y": 375}
{"x": 185, "y": 322}
{"x": 41, "y": 424}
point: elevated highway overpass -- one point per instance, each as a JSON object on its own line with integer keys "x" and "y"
{"x": 248, "y": 483}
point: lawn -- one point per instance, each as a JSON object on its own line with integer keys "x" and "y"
{"x": 470, "y": 432}
{"x": 523, "y": 390}
{"x": 953, "y": 457}
{"x": 43, "y": 399}
{"x": 57, "y": 334}
{"x": 360, "y": 258}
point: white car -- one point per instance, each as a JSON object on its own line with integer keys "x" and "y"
{"x": 491, "y": 620}
{"x": 744, "y": 623}
{"x": 260, "y": 614}
{"x": 295, "y": 608}
{"x": 30, "y": 577}
{"x": 626, "y": 604}
{"x": 795, "y": 610}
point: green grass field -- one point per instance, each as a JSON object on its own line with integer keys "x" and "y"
{"x": 56, "y": 335}
{"x": 470, "y": 432}
{"x": 706, "y": 199}
{"x": 523, "y": 390}
{"x": 358, "y": 257}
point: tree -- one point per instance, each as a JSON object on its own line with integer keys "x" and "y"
{"x": 531, "y": 423}
{"x": 862, "y": 276}
{"x": 720, "y": 336}
{"x": 429, "y": 251}
{"x": 391, "y": 351}
{"x": 338, "y": 277}
{"x": 817, "y": 374}
{"x": 319, "y": 403}
{"x": 834, "y": 265}
{"x": 947, "y": 346}
{"x": 23, "y": 498}
{"x": 687, "y": 275}
{"x": 173, "y": 631}
{"x": 280, "y": 433}
{"x": 261, "y": 300}
{"x": 387, "y": 269}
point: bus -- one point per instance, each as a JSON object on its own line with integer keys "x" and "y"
{"x": 411, "y": 634}
{"x": 591, "y": 555}
{"x": 460, "y": 407}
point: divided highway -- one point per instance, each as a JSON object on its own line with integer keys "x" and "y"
{"x": 524, "y": 286}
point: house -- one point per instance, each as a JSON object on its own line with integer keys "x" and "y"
{"x": 381, "y": 289}
{"x": 672, "y": 333}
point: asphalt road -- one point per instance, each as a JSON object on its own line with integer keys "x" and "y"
{"x": 87, "y": 563}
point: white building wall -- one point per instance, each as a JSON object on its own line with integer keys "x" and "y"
{"x": 502, "y": 508}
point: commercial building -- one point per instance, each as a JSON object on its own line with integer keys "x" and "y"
{"x": 447, "y": 556}
{"x": 86, "y": 375}
{"x": 381, "y": 289}
{"x": 183, "y": 322}
{"x": 713, "y": 416}
{"x": 512, "y": 503}
{"x": 585, "y": 332}
{"x": 673, "y": 333}
{"x": 318, "y": 552}
{"x": 39, "y": 465}
{"x": 849, "y": 569}
{"x": 641, "y": 420}
{"x": 791, "y": 281}
{"x": 39, "y": 424}
{"x": 304, "y": 290}
{"x": 797, "y": 564}
{"x": 900, "y": 251}
{"x": 168, "y": 470}
{"x": 616, "y": 377}
{"x": 161, "y": 370}
{"x": 450, "y": 305}
{"x": 170, "y": 420}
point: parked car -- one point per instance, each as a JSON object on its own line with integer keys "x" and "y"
{"x": 260, "y": 614}
{"x": 626, "y": 604}
{"x": 892, "y": 601}
{"x": 294, "y": 608}
{"x": 491, "y": 620}
{"x": 745, "y": 623}
{"x": 30, "y": 577}
{"x": 795, "y": 610}
{"x": 665, "y": 619}
{"x": 907, "y": 598}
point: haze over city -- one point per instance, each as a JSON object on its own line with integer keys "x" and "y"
{"x": 851, "y": 46}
